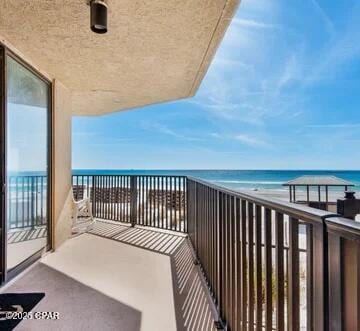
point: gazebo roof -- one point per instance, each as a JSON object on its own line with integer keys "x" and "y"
{"x": 318, "y": 181}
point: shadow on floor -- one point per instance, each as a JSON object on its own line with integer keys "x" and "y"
{"x": 80, "y": 307}
{"x": 26, "y": 234}
{"x": 192, "y": 303}
{"x": 163, "y": 242}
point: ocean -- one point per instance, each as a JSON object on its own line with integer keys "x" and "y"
{"x": 240, "y": 179}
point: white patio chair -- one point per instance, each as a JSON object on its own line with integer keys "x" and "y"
{"x": 82, "y": 218}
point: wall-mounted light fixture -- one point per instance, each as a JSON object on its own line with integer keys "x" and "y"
{"x": 98, "y": 16}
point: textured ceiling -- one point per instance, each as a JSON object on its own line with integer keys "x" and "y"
{"x": 155, "y": 50}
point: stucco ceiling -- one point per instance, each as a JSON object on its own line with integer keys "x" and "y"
{"x": 155, "y": 50}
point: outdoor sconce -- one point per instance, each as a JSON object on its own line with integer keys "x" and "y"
{"x": 98, "y": 16}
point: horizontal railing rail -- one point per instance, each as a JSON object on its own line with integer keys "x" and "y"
{"x": 26, "y": 201}
{"x": 147, "y": 200}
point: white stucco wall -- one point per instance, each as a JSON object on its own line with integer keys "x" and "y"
{"x": 62, "y": 193}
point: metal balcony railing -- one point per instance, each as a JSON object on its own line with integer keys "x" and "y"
{"x": 268, "y": 264}
{"x": 156, "y": 201}
{"x": 26, "y": 201}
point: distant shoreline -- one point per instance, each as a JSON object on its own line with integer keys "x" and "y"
{"x": 300, "y": 195}
{"x": 266, "y": 182}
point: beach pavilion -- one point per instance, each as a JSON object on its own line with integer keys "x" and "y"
{"x": 316, "y": 182}
{"x": 162, "y": 252}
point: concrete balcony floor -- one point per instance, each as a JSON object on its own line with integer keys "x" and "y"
{"x": 119, "y": 278}
{"x": 23, "y": 243}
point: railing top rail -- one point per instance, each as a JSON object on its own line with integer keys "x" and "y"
{"x": 128, "y": 175}
{"x": 26, "y": 176}
{"x": 301, "y": 212}
{"x": 346, "y": 227}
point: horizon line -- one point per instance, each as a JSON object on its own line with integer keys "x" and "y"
{"x": 210, "y": 169}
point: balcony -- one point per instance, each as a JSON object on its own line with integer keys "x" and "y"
{"x": 172, "y": 252}
{"x": 118, "y": 275}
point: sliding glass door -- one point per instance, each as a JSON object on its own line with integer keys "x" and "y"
{"x": 27, "y": 163}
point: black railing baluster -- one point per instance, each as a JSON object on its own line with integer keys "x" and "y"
{"x": 309, "y": 277}
{"x": 178, "y": 207}
{"x": 38, "y": 221}
{"x": 143, "y": 200}
{"x": 123, "y": 199}
{"x": 293, "y": 276}
{"x": 238, "y": 263}
{"x": 29, "y": 201}
{"x": 170, "y": 202}
{"x": 107, "y": 197}
{"x": 268, "y": 270}
{"x": 221, "y": 251}
{"x": 250, "y": 228}
{"x": 279, "y": 262}
{"x": 158, "y": 199}
{"x": 118, "y": 198}
{"x": 147, "y": 200}
{"x": 102, "y": 195}
{"x": 42, "y": 199}
{"x": 10, "y": 193}
{"x": 128, "y": 198}
{"x": 153, "y": 201}
{"x": 258, "y": 266}
{"x": 32, "y": 201}
{"x": 93, "y": 196}
{"x": 244, "y": 270}
{"x": 113, "y": 198}
{"x": 16, "y": 201}
{"x": 161, "y": 196}
{"x": 77, "y": 185}
{"x": 133, "y": 200}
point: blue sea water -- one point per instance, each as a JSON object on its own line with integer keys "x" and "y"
{"x": 240, "y": 179}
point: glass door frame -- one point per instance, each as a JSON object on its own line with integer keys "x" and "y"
{"x": 6, "y": 275}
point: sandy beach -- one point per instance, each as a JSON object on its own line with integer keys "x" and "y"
{"x": 301, "y": 195}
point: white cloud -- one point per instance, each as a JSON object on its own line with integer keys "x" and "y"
{"x": 165, "y": 130}
{"x": 337, "y": 53}
{"x": 329, "y": 25}
{"x": 262, "y": 71}
{"x": 232, "y": 64}
{"x": 290, "y": 72}
{"x": 250, "y": 140}
{"x": 335, "y": 126}
{"x": 85, "y": 134}
{"x": 243, "y": 138}
{"x": 249, "y": 23}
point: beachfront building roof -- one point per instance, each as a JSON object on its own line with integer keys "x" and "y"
{"x": 315, "y": 181}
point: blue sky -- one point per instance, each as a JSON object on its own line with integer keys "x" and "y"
{"x": 283, "y": 92}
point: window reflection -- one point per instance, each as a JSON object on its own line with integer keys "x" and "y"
{"x": 27, "y": 163}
